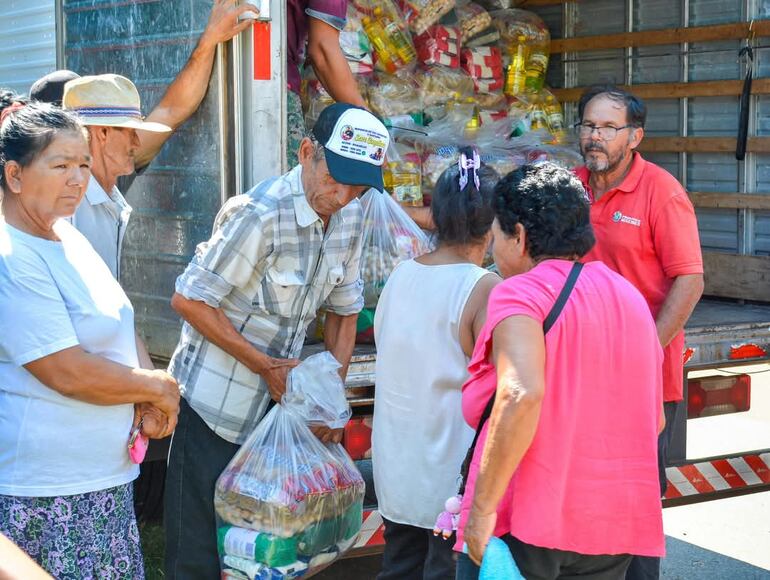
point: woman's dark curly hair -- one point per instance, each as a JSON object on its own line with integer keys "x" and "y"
{"x": 26, "y": 132}
{"x": 551, "y": 204}
{"x": 463, "y": 216}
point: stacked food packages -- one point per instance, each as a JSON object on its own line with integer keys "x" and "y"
{"x": 450, "y": 73}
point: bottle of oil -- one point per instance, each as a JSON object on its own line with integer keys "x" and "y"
{"x": 404, "y": 180}
{"x": 516, "y": 74}
{"x": 379, "y": 38}
{"x": 537, "y": 65}
{"x": 538, "y": 117}
{"x": 399, "y": 42}
{"x": 555, "y": 118}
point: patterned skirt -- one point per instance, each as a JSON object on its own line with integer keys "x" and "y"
{"x": 89, "y": 535}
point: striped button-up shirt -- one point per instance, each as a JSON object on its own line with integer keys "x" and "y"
{"x": 269, "y": 266}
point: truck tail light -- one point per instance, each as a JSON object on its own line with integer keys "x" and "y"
{"x": 718, "y": 395}
{"x": 357, "y": 437}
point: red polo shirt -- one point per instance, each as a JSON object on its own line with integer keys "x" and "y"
{"x": 646, "y": 231}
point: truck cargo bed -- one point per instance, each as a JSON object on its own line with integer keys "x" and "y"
{"x": 727, "y": 333}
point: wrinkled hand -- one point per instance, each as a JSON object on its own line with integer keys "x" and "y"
{"x": 154, "y": 421}
{"x": 167, "y": 397}
{"x": 326, "y": 434}
{"x": 478, "y": 531}
{"x": 275, "y": 376}
{"x": 223, "y": 21}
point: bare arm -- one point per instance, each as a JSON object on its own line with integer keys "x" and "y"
{"x": 145, "y": 361}
{"x": 213, "y": 324}
{"x": 93, "y": 379}
{"x": 519, "y": 355}
{"x": 678, "y": 306}
{"x": 16, "y": 565}
{"x": 422, "y": 216}
{"x": 340, "y": 338}
{"x": 329, "y": 64}
{"x": 475, "y": 312}
{"x": 185, "y": 93}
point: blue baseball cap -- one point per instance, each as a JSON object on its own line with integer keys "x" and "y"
{"x": 355, "y": 143}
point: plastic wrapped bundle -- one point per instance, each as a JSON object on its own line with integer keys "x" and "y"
{"x": 392, "y": 96}
{"x": 390, "y": 236}
{"x": 421, "y": 14}
{"x": 440, "y": 84}
{"x": 403, "y": 174}
{"x": 439, "y": 45}
{"x": 485, "y": 66}
{"x": 519, "y": 27}
{"x": 473, "y": 19}
{"x": 386, "y": 29}
{"x": 288, "y": 504}
{"x": 355, "y": 43}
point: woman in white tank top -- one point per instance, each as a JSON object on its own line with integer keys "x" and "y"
{"x": 426, "y": 324}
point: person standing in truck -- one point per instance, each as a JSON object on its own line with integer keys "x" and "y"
{"x": 276, "y": 254}
{"x": 317, "y": 23}
{"x": 646, "y": 230}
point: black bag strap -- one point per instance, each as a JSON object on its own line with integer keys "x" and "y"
{"x": 550, "y": 320}
{"x": 743, "y": 119}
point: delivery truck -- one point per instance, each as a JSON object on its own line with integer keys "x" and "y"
{"x": 688, "y": 59}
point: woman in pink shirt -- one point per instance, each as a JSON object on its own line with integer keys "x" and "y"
{"x": 565, "y": 470}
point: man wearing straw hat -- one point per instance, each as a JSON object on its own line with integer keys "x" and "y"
{"x": 109, "y": 106}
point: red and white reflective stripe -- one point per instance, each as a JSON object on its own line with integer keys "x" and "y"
{"x": 717, "y": 475}
{"x": 372, "y": 531}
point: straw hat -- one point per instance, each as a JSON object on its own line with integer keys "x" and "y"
{"x": 107, "y": 100}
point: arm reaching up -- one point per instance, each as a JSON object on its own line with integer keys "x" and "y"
{"x": 185, "y": 94}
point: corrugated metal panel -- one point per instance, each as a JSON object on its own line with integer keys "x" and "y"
{"x": 712, "y": 172}
{"x": 27, "y": 42}
{"x": 714, "y": 61}
{"x": 763, "y": 115}
{"x": 663, "y": 118}
{"x": 709, "y": 116}
{"x": 655, "y": 15}
{"x": 761, "y": 9}
{"x": 176, "y": 199}
{"x": 553, "y": 16}
{"x": 600, "y": 17}
{"x": 762, "y": 56}
{"x": 762, "y": 233}
{"x": 668, "y": 161}
{"x": 763, "y": 173}
{"x": 705, "y": 12}
{"x": 718, "y": 229}
{"x": 657, "y": 64}
{"x": 600, "y": 66}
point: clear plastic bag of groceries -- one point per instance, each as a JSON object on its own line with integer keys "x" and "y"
{"x": 390, "y": 236}
{"x": 439, "y": 84}
{"x": 392, "y": 96}
{"x": 421, "y": 14}
{"x": 473, "y": 19}
{"x": 287, "y": 504}
{"x": 383, "y": 23}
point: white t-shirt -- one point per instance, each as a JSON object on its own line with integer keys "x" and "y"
{"x": 419, "y": 436}
{"x": 55, "y": 295}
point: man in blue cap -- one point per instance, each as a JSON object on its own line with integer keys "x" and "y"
{"x": 277, "y": 253}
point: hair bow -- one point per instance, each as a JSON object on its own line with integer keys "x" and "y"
{"x": 473, "y": 164}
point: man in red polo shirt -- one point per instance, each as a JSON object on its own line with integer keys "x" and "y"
{"x": 646, "y": 230}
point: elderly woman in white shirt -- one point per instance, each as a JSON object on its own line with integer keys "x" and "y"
{"x": 70, "y": 389}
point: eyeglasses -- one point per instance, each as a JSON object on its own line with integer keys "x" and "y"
{"x": 605, "y": 133}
